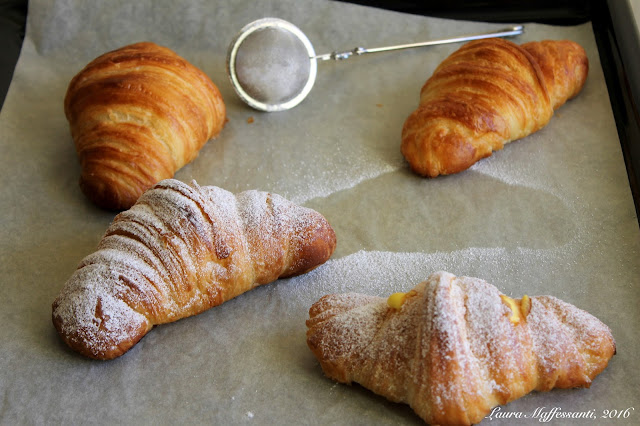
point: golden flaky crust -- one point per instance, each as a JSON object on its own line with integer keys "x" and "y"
{"x": 137, "y": 115}
{"x": 180, "y": 250}
{"x": 452, "y": 350}
{"x": 486, "y": 94}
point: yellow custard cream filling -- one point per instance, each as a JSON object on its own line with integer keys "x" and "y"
{"x": 396, "y": 300}
{"x": 519, "y": 308}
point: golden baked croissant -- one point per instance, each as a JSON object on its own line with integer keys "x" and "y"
{"x": 455, "y": 347}
{"x": 137, "y": 115}
{"x": 486, "y": 94}
{"x": 182, "y": 249}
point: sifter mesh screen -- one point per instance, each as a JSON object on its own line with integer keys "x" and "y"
{"x": 272, "y": 65}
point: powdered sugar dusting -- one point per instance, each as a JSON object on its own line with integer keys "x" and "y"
{"x": 179, "y": 251}
{"x": 567, "y": 339}
{"x": 451, "y": 346}
{"x": 434, "y": 320}
{"x": 358, "y": 324}
{"x": 92, "y": 312}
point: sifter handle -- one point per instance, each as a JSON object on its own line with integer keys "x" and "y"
{"x": 512, "y": 31}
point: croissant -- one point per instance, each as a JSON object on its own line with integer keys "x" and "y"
{"x": 137, "y": 115}
{"x": 486, "y": 94}
{"x": 455, "y": 347}
{"x": 182, "y": 249}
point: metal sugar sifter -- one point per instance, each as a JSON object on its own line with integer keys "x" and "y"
{"x": 272, "y": 64}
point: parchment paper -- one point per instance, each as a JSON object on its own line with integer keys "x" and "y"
{"x": 550, "y": 214}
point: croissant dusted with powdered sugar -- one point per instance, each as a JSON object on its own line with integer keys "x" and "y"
{"x": 137, "y": 115}
{"x": 486, "y": 94}
{"x": 455, "y": 347}
{"x": 182, "y": 249}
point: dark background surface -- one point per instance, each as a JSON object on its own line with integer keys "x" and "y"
{"x": 13, "y": 15}
{"x": 612, "y": 20}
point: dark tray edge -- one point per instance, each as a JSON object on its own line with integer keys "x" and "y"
{"x": 617, "y": 38}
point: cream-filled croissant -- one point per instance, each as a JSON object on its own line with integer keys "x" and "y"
{"x": 137, "y": 115}
{"x": 486, "y": 94}
{"x": 182, "y": 249}
{"x": 455, "y": 347}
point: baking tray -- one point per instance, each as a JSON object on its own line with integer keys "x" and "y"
{"x": 246, "y": 361}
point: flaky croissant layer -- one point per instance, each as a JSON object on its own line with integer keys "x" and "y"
{"x": 137, "y": 115}
{"x": 455, "y": 347}
{"x": 486, "y": 94}
{"x": 182, "y": 249}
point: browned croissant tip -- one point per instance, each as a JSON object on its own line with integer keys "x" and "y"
{"x": 92, "y": 322}
{"x": 106, "y": 348}
{"x": 106, "y": 195}
{"x": 564, "y": 67}
{"x": 459, "y": 151}
{"x": 315, "y": 249}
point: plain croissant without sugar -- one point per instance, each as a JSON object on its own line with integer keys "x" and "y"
{"x": 180, "y": 250}
{"x": 137, "y": 115}
{"x": 453, "y": 348}
{"x": 486, "y": 94}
